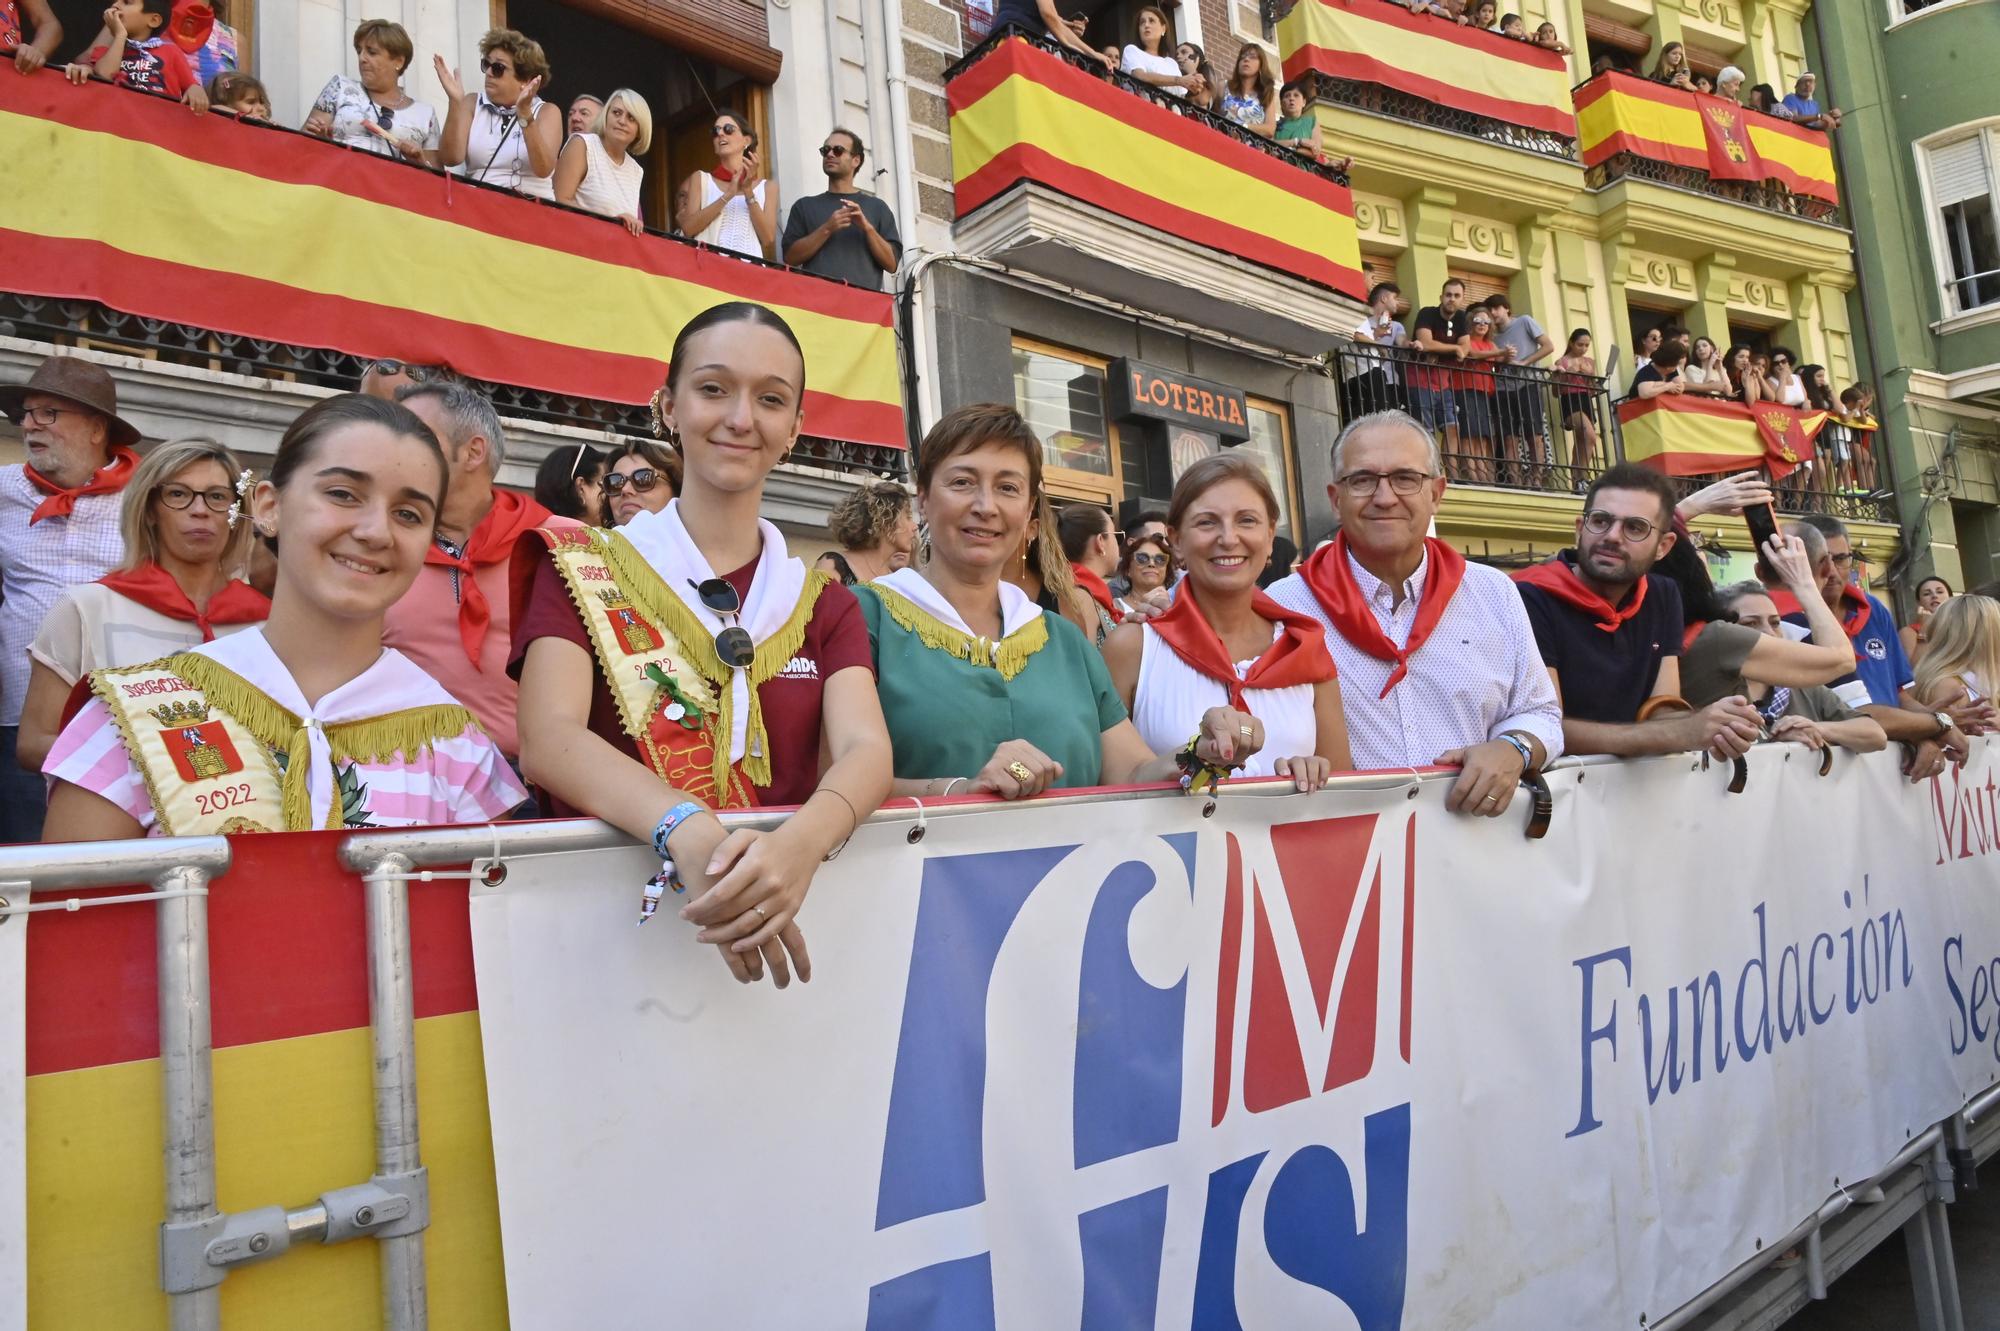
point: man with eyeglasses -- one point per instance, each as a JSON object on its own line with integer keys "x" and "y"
{"x": 1437, "y": 663}
{"x": 456, "y": 619}
{"x": 843, "y": 233}
{"x": 58, "y": 527}
{"x": 1879, "y": 688}
{"x": 1610, "y": 630}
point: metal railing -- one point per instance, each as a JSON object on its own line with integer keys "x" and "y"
{"x": 1376, "y": 99}
{"x": 1180, "y": 106}
{"x": 1768, "y": 196}
{"x": 1521, "y": 427}
{"x": 70, "y": 323}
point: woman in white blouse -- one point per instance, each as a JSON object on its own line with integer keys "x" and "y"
{"x": 504, "y": 134}
{"x": 600, "y": 170}
{"x": 1150, "y": 60}
{"x": 732, "y": 207}
{"x": 373, "y": 112}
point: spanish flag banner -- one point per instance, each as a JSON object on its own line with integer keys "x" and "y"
{"x": 130, "y": 201}
{"x": 1617, "y": 113}
{"x": 1368, "y": 41}
{"x": 293, "y": 1100}
{"x": 1692, "y": 436}
{"x": 1023, "y": 115}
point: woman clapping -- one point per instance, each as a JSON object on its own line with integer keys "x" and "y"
{"x": 1227, "y": 643}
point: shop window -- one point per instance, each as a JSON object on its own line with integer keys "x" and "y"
{"x": 1270, "y": 443}
{"x": 1061, "y": 395}
{"x": 1963, "y": 186}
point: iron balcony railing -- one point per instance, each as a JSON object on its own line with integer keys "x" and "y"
{"x": 1398, "y": 105}
{"x": 1158, "y": 96}
{"x": 1521, "y": 427}
{"x": 1769, "y": 196}
{"x": 72, "y": 323}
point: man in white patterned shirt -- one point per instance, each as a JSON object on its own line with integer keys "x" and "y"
{"x": 1438, "y": 664}
{"x": 58, "y": 527}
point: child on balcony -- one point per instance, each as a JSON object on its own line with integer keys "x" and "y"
{"x": 240, "y": 95}
{"x": 1545, "y": 37}
{"x": 136, "y": 56}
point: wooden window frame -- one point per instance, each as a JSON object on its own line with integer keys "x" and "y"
{"x": 1066, "y": 482}
{"x": 1288, "y": 458}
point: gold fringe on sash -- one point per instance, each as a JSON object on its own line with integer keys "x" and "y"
{"x": 378, "y": 739}
{"x": 1009, "y": 655}
{"x": 642, "y": 582}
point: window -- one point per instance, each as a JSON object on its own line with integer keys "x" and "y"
{"x": 1960, "y": 175}
{"x": 1061, "y": 396}
{"x": 1270, "y": 443}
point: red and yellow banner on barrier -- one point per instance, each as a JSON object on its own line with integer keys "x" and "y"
{"x": 1368, "y": 41}
{"x": 1692, "y": 436}
{"x": 294, "y": 1105}
{"x": 135, "y": 203}
{"x": 1617, "y": 113}
{"x": 1021, "y": 114}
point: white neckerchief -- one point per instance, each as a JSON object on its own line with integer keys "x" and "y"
{"x": 392, "y": 683}
{"x": 662, "y": 540}
{"x": 1016, "y": 609}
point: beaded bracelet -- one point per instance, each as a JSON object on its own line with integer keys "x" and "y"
{"x": 1198, "y": 777}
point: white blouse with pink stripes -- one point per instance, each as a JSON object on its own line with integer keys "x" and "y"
{"x": 463, "y": 779}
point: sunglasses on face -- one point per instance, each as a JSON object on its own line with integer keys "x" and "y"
{"x": 498, "y": 69}
{"x": 178, "y": 497}
{"x": 733, "y": 646}
{"x": 643, "y": 480}
{"x": 1149, "y": 561}
{"x": 721, "y": 130}
{"x": 832, "y": 150}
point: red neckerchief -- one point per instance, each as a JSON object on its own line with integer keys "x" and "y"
{"x": 1099, "y": 590}
{"x": 722, "y": 177}
{"x": 150, "y": 585}
{"x": 107, "y": 479}
{"x": 1690, "y": 633}
{"x": 1332, "y": 584}
{"x": 1853, "y": 618}
{"x": 1558, "y": 578}
{"x": 511, "y": 517}
{"x": 1297, "y": 656}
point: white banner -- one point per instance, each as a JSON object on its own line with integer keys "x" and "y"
{"x": 13, "y": 1112}
{"x": 1342, "y": 1060}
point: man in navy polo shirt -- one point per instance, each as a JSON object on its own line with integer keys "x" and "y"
{"x": 1610, "y": 629}
{"x": 1879, "y": 686}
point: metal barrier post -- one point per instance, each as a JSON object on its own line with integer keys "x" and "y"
{"x": 186, "y": 1083}
{"x": 392, "y": 1027}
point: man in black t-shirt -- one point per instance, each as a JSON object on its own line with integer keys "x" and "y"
{"x": 1610, "y": 629}
{"x": 843, "y": 233}
{"x": 1433, "y": 392}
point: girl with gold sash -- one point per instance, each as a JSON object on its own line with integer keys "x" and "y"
{"x": 306, "y": 721}
{"x": 685, "y": 663}
{"x": 985, "y": 691}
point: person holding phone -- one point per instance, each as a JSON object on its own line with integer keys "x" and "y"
{"x": 732, "y": 207}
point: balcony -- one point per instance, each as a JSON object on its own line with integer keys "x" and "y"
{"x": 245, "y": 249}
{"x": 1818, "y": 463}
{"x": 1633, "y": 128}
{"x": 1098, "y": 182}
{"x": 1379, "y": 58}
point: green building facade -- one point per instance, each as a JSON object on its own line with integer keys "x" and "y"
{"x": 1919, "y": 156}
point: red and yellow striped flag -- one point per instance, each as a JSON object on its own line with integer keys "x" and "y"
{"x": 130, "y": 201}
{"x": 1020, "y": 114}
{"x": 1616, "y": 113}
{"x": 1692, "y": 436}
{"x": 1368, "y": 41}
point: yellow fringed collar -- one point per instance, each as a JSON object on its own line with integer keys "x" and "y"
{"x": 1008, "y": 655}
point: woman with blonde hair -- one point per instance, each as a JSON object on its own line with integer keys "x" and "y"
{"x": 600, "y": 170}
{"x": 877, "y": 535}
{"x": 1961, "y": 654}
{"x": 186, "y": 542}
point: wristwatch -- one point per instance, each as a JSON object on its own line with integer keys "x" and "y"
{"x": 1522, "y": 747}
{"x": 1945, "y": 723}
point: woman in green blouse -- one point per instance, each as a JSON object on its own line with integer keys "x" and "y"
{"x": 982, "y": 690}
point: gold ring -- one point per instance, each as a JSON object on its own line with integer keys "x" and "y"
{"x": 1246, "y": 732}
{"x": 1492, "y": 799}
{"x": 760, "y": 913}
{"x": 1019, "y": 771}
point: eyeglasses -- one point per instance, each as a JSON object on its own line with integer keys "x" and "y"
{"x": 1597, "y": 522}
{"x": 385, "y": 117}
{"x": 1363, "y": 484}
{"x": 721, "y": 130}
{"x": 499, "y": 69}
{"x": 1150, "y": 561}
{"x": 178, "y": 497}
{"x": 643, "y": 480}
{"x": 832, "y": 150}
{"x": 1842, "y": 561}
{"x": 45, "y": 415}
{"x": 733, "y": 646}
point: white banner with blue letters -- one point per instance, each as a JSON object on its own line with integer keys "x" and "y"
{"x": 1341, "y": 1061}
